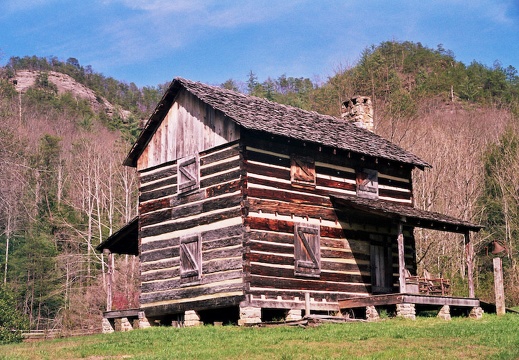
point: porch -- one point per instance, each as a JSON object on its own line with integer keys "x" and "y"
{"x": 409, "y": 305}
{"x": 419, "y": 299}
{"x": 123, "y": 241}
{"x": 409, "y": 293}
{"x": 124, "y": 320}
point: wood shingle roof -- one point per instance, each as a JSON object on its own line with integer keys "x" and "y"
{"x": 412, "y": 216}
{"x": 260, "y": 114}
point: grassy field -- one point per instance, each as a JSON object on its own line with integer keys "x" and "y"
{"x": 426, "y": 338}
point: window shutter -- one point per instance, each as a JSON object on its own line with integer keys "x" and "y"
{"x": 190, "y": 259}
{"x": 302, "y": 170}
{"x": 367, "y": 183}
{"x": 307, "y": 250}
{"x": 188, "y": 174}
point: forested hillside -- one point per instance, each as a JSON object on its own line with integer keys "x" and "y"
{"x": 63, "y": 189}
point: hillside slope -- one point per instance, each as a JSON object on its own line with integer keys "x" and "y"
{"x": 24, "y": 79}
{"x": 63, "y": 189}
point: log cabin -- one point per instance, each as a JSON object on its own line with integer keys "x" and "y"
{"x": 251, "y": 210}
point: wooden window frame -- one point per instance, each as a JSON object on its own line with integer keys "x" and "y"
{"x": 367, "y": 183}
{"x": 307, "y": 250}
{"x": 190, "y": 259}
{"x": 188, "y": 180}
{"x": 302, "y": 171}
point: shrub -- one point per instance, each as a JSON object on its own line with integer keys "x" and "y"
{"x": 11, "y": 321}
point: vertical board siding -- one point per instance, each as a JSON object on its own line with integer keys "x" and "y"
{"x": 212, "y": 212}
{"x": 274, "y": 205}
{"x": 189, "y": 127}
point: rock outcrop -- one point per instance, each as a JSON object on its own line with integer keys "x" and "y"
{"x": 24, "y": 79}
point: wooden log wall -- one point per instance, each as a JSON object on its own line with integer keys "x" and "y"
{"x": 213, "y": 212}
{"x": 274, "y": 205}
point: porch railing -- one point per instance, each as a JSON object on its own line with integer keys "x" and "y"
{"x": 427, "y": 284}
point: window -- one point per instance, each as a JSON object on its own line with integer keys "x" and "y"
{"x": 367, "y": 183}
{"x": 190, "y": 259}
{"x": 302, "y": 170}
{"x": 307, "y": 250}
{"x": 188, "y": 174}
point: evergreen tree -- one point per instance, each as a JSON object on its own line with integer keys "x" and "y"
{"x": 12, "y": 321}
{"x": 500, "y": 206}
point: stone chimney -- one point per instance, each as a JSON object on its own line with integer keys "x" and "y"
{"x": 359, "y": 111}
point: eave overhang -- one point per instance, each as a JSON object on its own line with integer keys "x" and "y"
{"x": 123, "y": 241}
{"x": 406, "y": 214}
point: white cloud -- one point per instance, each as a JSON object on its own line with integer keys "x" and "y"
{"x": 497, "y": 11}
{"x": 249, "y": 12}
{"x": 12, "y": 6}
{"x": 500, "y": 13}
{"x": 214, "y": 13}
{"x": 154, "y": 27}
{"x": 161, "y": 6}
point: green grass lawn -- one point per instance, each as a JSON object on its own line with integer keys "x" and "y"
{"x": 426, "y": 338}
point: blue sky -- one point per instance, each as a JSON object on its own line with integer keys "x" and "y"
{"x": 149, "y": 42}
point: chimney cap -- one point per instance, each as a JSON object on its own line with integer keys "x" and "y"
{"x": 355, "y": 99}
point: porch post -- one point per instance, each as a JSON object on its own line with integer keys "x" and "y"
{"x": 469, "y": 253}
{"x": 109, "y": 280}
{"x": 401, "y": 259}
{"x": 499, "y": 286}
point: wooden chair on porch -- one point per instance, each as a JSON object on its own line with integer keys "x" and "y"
{"x": 432, "y": 285}
{"x": 412, "y": 282}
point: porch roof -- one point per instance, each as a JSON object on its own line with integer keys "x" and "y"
{"x": 123, "y": 241}
{"x": 405, "y": 213}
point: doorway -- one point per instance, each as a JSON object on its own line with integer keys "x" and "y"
{"x": 381, "y": 266}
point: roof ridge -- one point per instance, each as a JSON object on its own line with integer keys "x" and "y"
{"x": 334, "y": 121}
{"x": 260, "y": 114}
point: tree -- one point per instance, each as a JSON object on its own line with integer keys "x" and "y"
{"x": 12, "y": 321}
{"x": 73, "y": 62}
{"x": 230, "y": 84}
{"x": 500, "y": 203}
{"x": 252, "y": 82}
{"x": 38, "y": 281}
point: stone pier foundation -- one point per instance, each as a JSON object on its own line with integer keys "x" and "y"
{"x": 372, "y": 313}
{"x": 445, "y": 312}
{"x": 107, "y": 327}
{"x": 294, "y": 315}
{"x": 143, "y": 320}
{"x": 249, "y": 315}
{"x": 123, "y": 324}
{"x": 406, "y": 311}
{"x": 191, "y": 318}
{"x": 476, "y": 313}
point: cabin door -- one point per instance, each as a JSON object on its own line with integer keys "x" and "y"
{"x": 381, "y": 268}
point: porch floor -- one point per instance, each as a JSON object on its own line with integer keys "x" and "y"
{"x": 403, "y": 298}
{"x": 117, "y": 314}
{"x": 124, "y": 320}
